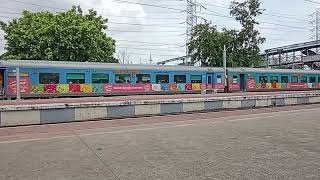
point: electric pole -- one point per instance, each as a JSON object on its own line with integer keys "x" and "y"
{"x": 150, "y": 59}
{"x": 225, "y": 64}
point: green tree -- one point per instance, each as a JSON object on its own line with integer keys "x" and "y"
{"x": 206, "y": 45}
{"x": 246, "y": 13}
{"x": 66, "y": 36}
{"x": 207, "y": 42}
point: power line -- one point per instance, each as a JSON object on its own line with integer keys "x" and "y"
{"x": 164, "y": 55}
{"x": 126, "y": 47}
{"x": 157, "y": 25}
{"x": 147, "y": 42}
{"x": 123, "y": 1}
{"x": 108, "y": 16}
{"x": 287, "y": 16}
{"x": 156, "y": 36}
{"x": 116, "y": 1}
{"x": 150, "y": 5}
{"x": 167, "y": 18}
{"x": 33, "y": 4}
{"x": 143, "y": 35}
{"x": 142, "y": 31}
{"x": 262, "y": 22}
{"x": 7, "y": 17}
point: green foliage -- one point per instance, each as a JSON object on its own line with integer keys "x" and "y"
{"x": 246, "y": 13}
{"x": 66, "y": 36}
{"x": 207, "y": 42}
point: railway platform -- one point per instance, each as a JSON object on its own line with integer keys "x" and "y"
{"x": 140, "y": 97}
{"x": 46, "y": 111}
{"x": 264, "y": 143}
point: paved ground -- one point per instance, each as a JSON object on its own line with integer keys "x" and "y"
{"x": 138, "y": 97}
{"x": 277, "y": 143}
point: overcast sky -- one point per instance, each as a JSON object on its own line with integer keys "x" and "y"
{"x": 141, "y": 30}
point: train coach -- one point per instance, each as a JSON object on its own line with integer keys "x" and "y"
{"x": 58, "y": 78}
{"x": 257, "y": 79}
{"x": 67, "y": 79}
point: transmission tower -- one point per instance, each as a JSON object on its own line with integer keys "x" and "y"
{"x": 191, "y": 22}
{"x": 316, "y": 23}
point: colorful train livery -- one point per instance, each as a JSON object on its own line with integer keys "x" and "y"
{"x": 48, "y": 78}
{"x": 58, "y": 78}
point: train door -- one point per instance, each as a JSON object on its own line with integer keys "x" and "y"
{"x": 209, "y": 79}
{"x": 1, "y": 82}
{"x": 242, "y": 82}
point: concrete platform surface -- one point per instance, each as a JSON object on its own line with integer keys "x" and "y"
{"x": 138, "y": 97}
{"x": 270, "y": 143}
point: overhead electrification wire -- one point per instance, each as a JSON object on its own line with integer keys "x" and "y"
{"x": 142, "y": 31}
{"x": 68, "y": 50}
{"x": 148, "y": 42}
{"x": 261, "y": 22}
{"x": 122, "y": 47}
{"x": 109, "y": 16}
{"x": 287, "y": 16}
{"x": 33, "y": 4}
{"x": 157, "y": 25}
{"x": 150, "y": 5}
{"x": 136, "y": 17}
{"x": 124, "y": 1}
{"x": 146, "y": 54}
{"x": 148, "y": 45}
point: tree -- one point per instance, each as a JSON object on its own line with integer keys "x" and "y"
{"x": 246, "y": 13}
{"x": 207, "y": 42}
{"x": 206, "y": 45}
{"x": 66, "y": 36}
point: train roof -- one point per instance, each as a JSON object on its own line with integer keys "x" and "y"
{"x": 100, "y": 65}
{"x": 279, "y": 71}
{"x": 137, "y": 67}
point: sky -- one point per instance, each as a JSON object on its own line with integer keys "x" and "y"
{"x": 142, "y": 30}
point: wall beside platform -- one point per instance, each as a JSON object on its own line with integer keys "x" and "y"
{"x": 15, "y": 115}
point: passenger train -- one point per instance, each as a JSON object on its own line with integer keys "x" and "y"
{"x": 66, "y": 79}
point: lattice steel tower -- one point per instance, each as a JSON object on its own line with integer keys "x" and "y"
{"x": 191, "y": 22}
{"x": 316, "y": 23}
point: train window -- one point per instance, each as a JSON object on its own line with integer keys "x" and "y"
{"x": 312, "y": 79}
{"x": 196, "y": 79}
{"x": 319, "y": 79}
{"x": 100, "y": 78}
{"x": 162, "y": 79}
{"x": 48, "y": 78}
{"x": 284, "y": 79}
{"x": 274, "y": 79}
{"x": 304, "y": 79}
{"x": 123, "y": 78}
{"x": 75, "y": 78}
{"x": 294, "y": 79}
{"x": 219, "y": 79}
{"x": 180, "y": 78}
{"x": 263, "y": 79}
{"x": 143, "y": 78}
{"x": 235, "y": 79}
